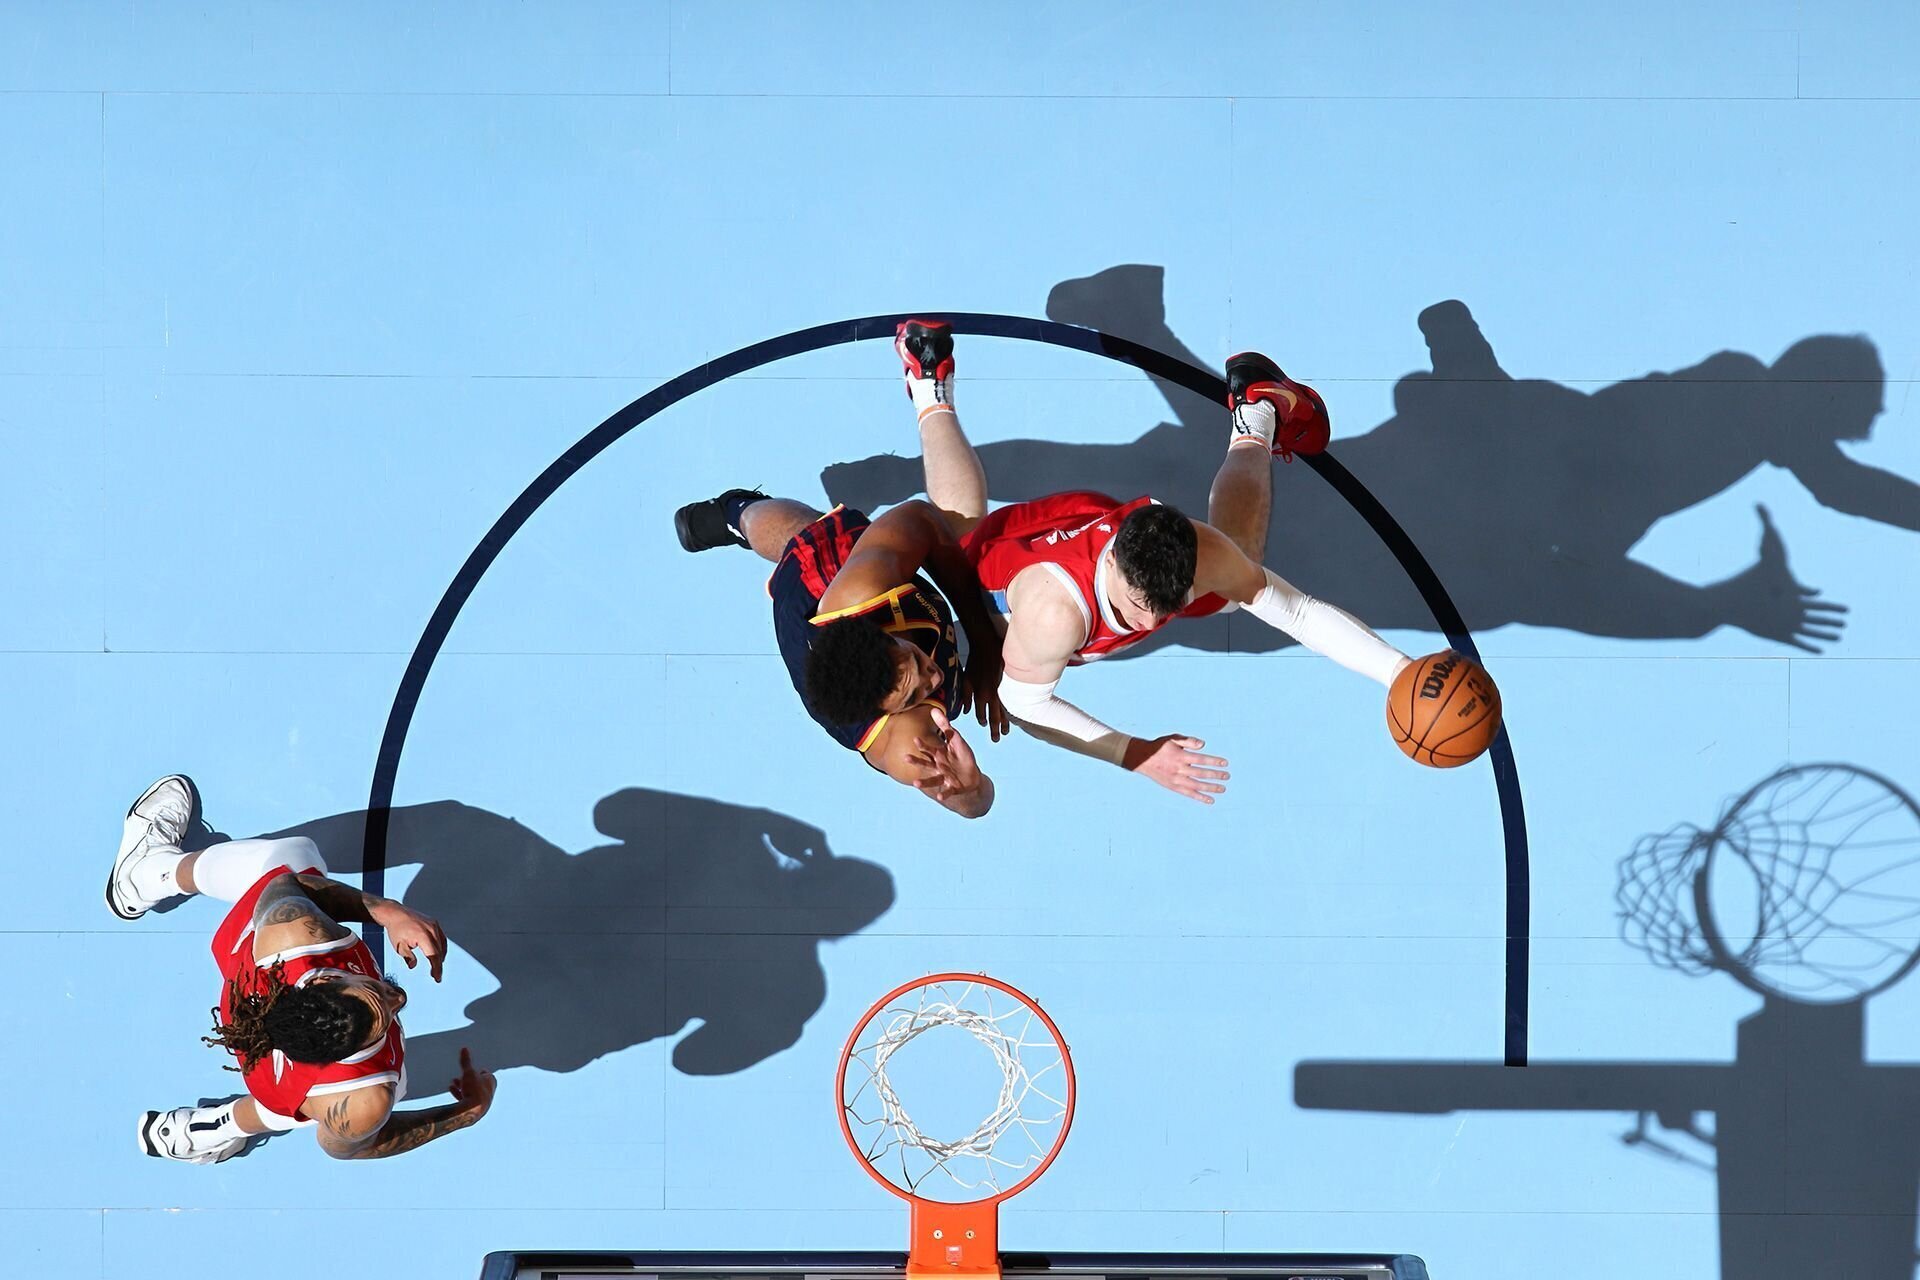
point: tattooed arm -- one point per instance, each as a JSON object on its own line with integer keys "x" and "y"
{"x": 298, "y": 911}
{"x": 285, "y": 917}
{"x": 407, "y": 929}
{"x": 362, "y": 1124}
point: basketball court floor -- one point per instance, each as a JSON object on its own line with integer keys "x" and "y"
{"x": 1614, "y": 315}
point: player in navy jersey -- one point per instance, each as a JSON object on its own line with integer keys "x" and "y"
{"x": 864, "y": 610}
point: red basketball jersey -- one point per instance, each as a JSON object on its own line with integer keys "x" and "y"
{"x": 1071, "y": 536}
{"x": 277, "y": 1082}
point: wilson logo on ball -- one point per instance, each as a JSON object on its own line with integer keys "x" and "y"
{"x": 1437, "y": 678}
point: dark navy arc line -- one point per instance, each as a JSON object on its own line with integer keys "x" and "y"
{"x": 1202, "y": 382}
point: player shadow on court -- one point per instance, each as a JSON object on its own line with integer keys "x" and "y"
{"x": 1526, "y": 496}
{"x": 1806, "y": 891}
{"x": 694, "y": 911}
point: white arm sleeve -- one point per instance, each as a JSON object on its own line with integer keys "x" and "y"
{"x": 1326, "y": 630}
{"x": 1053, "y": 719}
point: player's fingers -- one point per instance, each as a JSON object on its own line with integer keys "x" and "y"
{"x": 1208, "y": 788}
{"x": 940, "y": 720}
{"x": 1191, "y": 744}
{"x": 1209, "y": 775}
{"x": 1211, "y": 762}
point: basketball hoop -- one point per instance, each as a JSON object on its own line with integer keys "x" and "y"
{"x": 954, "y": 1184}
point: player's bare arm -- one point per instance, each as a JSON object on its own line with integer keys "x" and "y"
{"x": 947, "y": 565}
{"x": 286, "y": 916}
{"x": 408, "y": 930}
{"x": 898, "y": 545}
{"x": 297, "y": 911}
{"x": 1045, "y": 629}
{"x": 361, "y": 1124}
{"x": 921, "y": 749}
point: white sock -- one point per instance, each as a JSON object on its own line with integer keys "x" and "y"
{"x": 152, "y": 875}
{"x": 930, "y": 394}
{"x": 1254, "y": 423}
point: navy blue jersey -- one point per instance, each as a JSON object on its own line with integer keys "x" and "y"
{"x": 914, "y": 611}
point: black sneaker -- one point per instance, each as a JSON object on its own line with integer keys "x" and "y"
{"x": 702, "y": 526}
{"x": 1247, "y": 371}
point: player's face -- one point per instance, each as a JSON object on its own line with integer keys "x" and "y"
{"x": 917, "y": 677}
{"x": 386, "y": 998}
{"x": 1132, "y": 611}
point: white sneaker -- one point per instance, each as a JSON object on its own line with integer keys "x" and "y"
{"x": 168, "y": 1135}
{"x": 158, "y": 820}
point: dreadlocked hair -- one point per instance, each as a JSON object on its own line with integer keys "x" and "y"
{"x": 315, "y": 1024}
{"x": 1156, "y": 550}
{"x": 850, "y": 670}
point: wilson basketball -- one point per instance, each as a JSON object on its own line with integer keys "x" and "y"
{"x": 1443, "y": 710}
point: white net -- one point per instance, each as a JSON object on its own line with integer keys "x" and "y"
{"x": 1023, "y": 1123}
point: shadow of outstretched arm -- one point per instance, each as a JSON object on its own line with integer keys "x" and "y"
{"x": 1841, "y": 484}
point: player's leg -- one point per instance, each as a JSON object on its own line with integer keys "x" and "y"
{"x": 742, "y": 518}
{"x": 207, "y": 1135}
{"x": 228, "y": 870}
{"x": 1272, "y": 414}
{"x": 956, "y": 482}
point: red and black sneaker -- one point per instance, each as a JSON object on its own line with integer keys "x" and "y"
{"x": 1303, "y": 426}
{"x": 926, "y": 348}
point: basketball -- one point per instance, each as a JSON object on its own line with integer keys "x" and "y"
{"x": 1443, "y": 710}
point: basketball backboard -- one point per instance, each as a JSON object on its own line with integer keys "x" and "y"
{"x": 893, "y": 1266}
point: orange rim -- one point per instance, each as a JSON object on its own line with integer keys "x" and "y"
{"x": 874, "y": 1010}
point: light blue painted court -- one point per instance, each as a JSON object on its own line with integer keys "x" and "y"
{"x": 1613, "y": 313}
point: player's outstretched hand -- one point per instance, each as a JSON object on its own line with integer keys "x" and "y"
{"x": 947, "y": 763}
{"x": 409, "y": 931}
{"x": 1175, "y": 762}
{"x": 474, "y": 1089}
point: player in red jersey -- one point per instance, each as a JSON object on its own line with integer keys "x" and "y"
{"x": 1077, "y": 576}
{"x": 303, "y": 1007}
